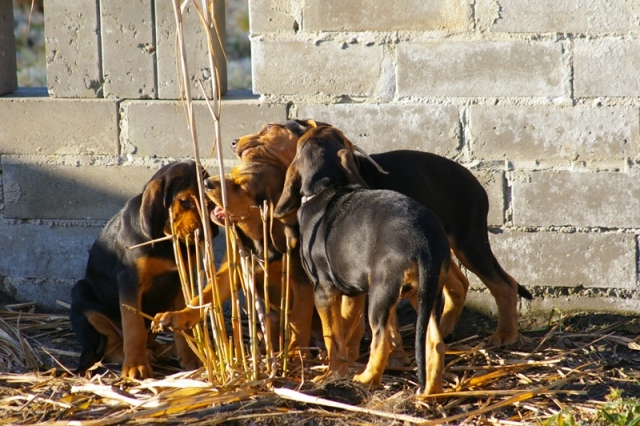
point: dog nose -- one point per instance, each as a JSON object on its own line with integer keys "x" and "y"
{"x": 234, "y": 143}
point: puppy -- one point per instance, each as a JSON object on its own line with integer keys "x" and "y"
{"x": 444, "y": 187}
{"x": 247, "y": 187}
{"x": 355, "y": 240}
{"x": 145, "y": 278}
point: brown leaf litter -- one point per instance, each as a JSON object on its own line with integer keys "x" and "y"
{"x": 567, "y": 367}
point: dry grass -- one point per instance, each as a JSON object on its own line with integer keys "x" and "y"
{"x": 571, "y": 369}
{"x": 583, "y": 368}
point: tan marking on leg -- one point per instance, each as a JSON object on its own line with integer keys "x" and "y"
{"x": 333, "y": 335}
{"x": 113, "y": 349}
{"x": 352, "y": 312}
{"x": 300, "y": 316}
{"x": 506, "y": 297}
{"x": 379, "y": 354}
{"x": 435, "y": 349}
{"x": 455, "y": 293}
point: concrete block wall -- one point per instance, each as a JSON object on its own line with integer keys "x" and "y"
{"x": 540, "y": 99}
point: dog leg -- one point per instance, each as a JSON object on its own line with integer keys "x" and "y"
{"x": 352, "y": 311}
{"x": 136, "y": 364}
{"x": 301, "y": 317}
{"x": 112, "y": 350}
{"x": 328, "y": 303}
{"x": 379, "y": 316}
{"x": 188, "y": 359}
{"x": 455, "y": 293}
{"x": 503, "y": 288}
{"x": 398, "y": 357}
{"x": 189, "y": 316}
{"x": 435, "y": 357}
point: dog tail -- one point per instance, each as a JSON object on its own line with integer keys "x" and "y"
{"x": 428, "y": 292}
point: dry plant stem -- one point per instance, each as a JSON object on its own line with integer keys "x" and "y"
{"x": 287, "y": 328}
{"x": 301, "y": 397}
{"x": 264, "y": 214}
{"x": 238, "y": 254}
{"x": 146, "y": 243}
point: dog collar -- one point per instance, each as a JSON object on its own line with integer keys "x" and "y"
{"x": 306, "y": 198}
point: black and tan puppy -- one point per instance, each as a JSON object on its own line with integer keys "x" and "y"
{"x": 354, "y": 240}
{"x": 444, "y": 187}
{"x": 145, "y": 278}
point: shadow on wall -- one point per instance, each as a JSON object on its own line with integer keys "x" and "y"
{"x": 52, "y": 216}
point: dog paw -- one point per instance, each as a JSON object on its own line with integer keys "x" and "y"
{"x": 503, "y": 338}
{"x": 175, "y": 320}
{"x": 368, "y": 379}
{"x": 136, "y": 369}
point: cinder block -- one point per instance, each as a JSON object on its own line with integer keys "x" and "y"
{"x": 43, "y": 125}
{"x": 606, "y": 67}
{"x": 39, "y": 251}
{"x": 44, "y": 292}
{"x": 553, "y": 133}
{"x": 546, "y": 259}
{"x": 160, "y": 129}
{"x": 272, "y": 15}
{"x": 557, "y": 16}
{"x": 35, "y": 189}
{"x": 580, "y": 199}
{"x": 128, "y": 49}
{"x": 494, "y": 183}
{"x": 74, "y": 67}
{"x": 373, "y": 15}
{"x": 169, "y": 82}
{"x": 480, "y": 68}
{"x": 8, "y": 75}
{"x": 303, "y": 68}
{"x": 383, "y": 127}
{"x": 576, "y": 303}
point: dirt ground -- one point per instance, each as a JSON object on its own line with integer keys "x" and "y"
{"x": 580, "y": 368}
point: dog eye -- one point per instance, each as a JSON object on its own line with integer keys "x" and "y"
{"x": 185, "y": 203}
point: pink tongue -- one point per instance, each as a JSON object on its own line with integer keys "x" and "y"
{"x": 218, "y": 214}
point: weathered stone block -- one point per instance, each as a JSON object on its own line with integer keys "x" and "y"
{"x": 580, "y": 199}
{"x": 476, "y": 68}
{"x": 128, "y": 49}
{"x": 160, "y": 129}
{"x": 302, "y": 68}
{"x": 372, "y": 15}
{"x": 557, "y": 16}
{"x": 39, "y": 251}
{"x": 74, "y": 67}
{"x": 272, "y": 15}
{"x": 8, "y": 75}
{"x": 493, "y": 183}
{"x": 383, "y": 127}
{"x": 606, "y": 67}
{"x": 35, "y": 189}
{"x": 169, "y": 81}
{"x": 552, "y": 133}
{"x": 592, "y": 260}
{"x": 43, "y": 125}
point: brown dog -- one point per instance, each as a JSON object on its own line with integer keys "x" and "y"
{"x": 145, "y": 278}
{"x": 444, "y": 187}
{"x": 247, "y": 187}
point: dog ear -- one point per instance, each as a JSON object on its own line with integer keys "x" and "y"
{"x": 349, "y": 168}
{"x": 153, "y": 213}
{"x": 343, "y": 139}
{"x": 290, "y": 199}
